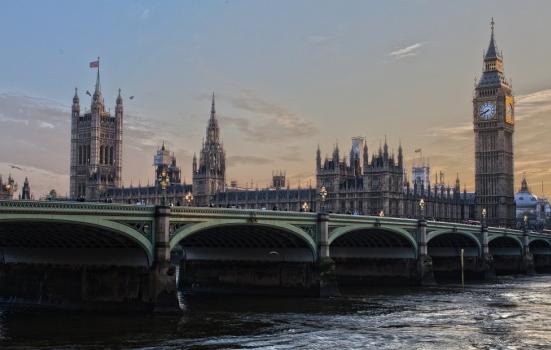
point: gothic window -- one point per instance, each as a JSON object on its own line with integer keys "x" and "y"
{"x": 106, "y": 157}
{"x": 79, "y": 154}
{"x": 101, "y": 155}
{"x": 88, "y": 154}
{"x": 111, "y": 155}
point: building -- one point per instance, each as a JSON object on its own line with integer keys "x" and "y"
{"x": 275, "y": 197}
{"x": 380, "y": 187}
{"x": 493, "y": 120}
{"x": 166, "y": 161}
{"x": 26, "y": 190}
{"x": 177, "y": 193}
{"x": 537, "y": 210}
{"x": 96, "y": 147}
{"x": 8, "y": 188}
{"x": 209, "y": 176}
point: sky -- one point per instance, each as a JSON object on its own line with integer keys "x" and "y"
{"x": 288, "y": 76}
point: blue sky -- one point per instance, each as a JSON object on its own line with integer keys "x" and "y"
{"x": 288, "y": 75}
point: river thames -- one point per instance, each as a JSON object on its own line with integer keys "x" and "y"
{"x": 512, "y": 314}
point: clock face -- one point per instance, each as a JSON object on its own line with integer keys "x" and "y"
{"x": 487, "y": 110}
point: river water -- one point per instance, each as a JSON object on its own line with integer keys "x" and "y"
{"x": 512, "y": 314}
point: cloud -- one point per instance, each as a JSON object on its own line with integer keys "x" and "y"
{"x": 268, "y": 123}
{"x": 145, "y": 14}
{"x": 529, "y": 105}
{"x": 242, "y": 160}
{"x": 45, "y": 125}
{"x": 318, "y": 39}
{"x": 408, "y": 51}
{"x": 291, "y": 154}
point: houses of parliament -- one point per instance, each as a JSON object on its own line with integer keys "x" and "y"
{"x": 363, "y": 182}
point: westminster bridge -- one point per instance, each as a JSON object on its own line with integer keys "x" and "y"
{"x": 137, "y": 256}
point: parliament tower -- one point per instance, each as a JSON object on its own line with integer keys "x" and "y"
{"x": 209, "y": 176}
{"x": 493, "y": 119}
{"x": 96, "y": 147}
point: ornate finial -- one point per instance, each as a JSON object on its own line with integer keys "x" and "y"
{"x": 492, "y": 23}
{"x": 163, "y": 147}
{"x": 212, "y": 109}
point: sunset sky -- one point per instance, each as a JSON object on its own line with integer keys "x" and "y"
{"x": 288, "y": 75}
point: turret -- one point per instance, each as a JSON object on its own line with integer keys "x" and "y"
{"x": 336, "y": 155}
{"x": 365, "y": 156}
{"x": 318, "y": 158}
{"x": 118, "y": 107}
{"x": 400, "y": 156}
{"x": 194, "y": 166}
{"x": 26, "y": 190}
{"x": 76, "y": 104}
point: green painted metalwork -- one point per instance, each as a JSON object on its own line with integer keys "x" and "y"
{"x": 355, "y": 227}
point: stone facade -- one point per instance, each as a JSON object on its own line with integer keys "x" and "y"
{"x": 96, "y": 147}
{"x": 7, "y": 188}
{"x": 493, "y": 119}
{"x": 152, "y": 194}
{"x": 209, "y": 176}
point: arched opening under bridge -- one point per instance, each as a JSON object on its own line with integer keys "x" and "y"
{"x": 374, "y": 256}
{"x": 507, "y": 254}
{"x": 65, "y": 262}
{"x": 246, "y": 258}
{"x": 445, "y": 251}
{"x": 541, "y": 250}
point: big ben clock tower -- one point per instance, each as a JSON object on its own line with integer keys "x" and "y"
{"x": 493, "y": 119}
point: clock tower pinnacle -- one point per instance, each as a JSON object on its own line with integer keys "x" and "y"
{"x": 493, "y": 121}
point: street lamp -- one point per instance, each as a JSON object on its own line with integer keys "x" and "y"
{"x": 164, "y": 182}
{"x": 422, "y": 207}
{"x": 323, "y": 195}
{"x": 305, "y": 207}
{"x": 382, "y": 213}
{"x": 484, "y": 214}
{"x": 189, "y": 199}
{"x": 525, "y": 223}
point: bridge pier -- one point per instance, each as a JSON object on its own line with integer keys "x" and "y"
{"x": 162, "y": 274}
{"x": 527, "y": 257}
{"x": 326, "y": 266}
{"x": 425, "y": 272}
{"x": 486, "y": 264}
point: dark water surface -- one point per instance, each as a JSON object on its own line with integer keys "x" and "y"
{"x": 512, "y": 314}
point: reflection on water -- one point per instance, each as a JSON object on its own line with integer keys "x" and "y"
{"x": 514, "y": 314}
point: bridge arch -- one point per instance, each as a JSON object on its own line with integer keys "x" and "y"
{"x": 289, "y": 241}
{"x": 373, "y": 241}
{"x": 447, "y": 242}
{"x": 539, "y": 242}
{"x": 27, "y": 233}
{"x": 505, "y": 245}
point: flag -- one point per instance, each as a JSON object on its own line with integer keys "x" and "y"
{"x": 418, "y": 150}
{"x": 94, "y": 64}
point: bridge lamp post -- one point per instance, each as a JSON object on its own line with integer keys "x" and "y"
{"x": 164, "y": 182}
{"x": 525, "y": 228}
{"x": 189, "y": 199}
{"x": 484, "y": 213}
{"x": 304, "y": 207}
{"x": 422, "y": 208}
{"x": 323, "y": 195}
